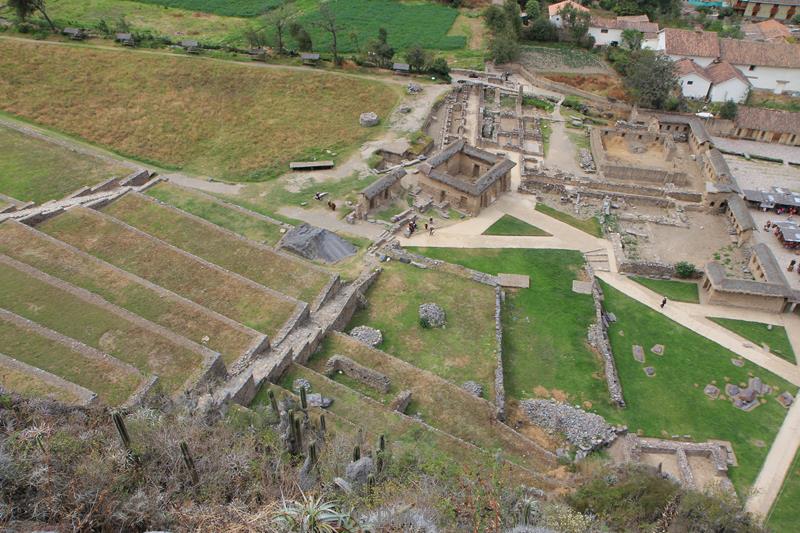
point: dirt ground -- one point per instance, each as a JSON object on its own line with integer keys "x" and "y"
{"x": 653, "y": 156}
{"x": 600, "y": 84}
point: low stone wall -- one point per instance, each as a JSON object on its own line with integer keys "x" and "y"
{"x": 652, "y": 269}
{"x": 361, "y": 285}
{"x": 397, "y": 252}
{"x": 328, "y": 292}
{"x": 499, "y": 383}
{"x": 598, "y": 338}
{"x": 83, "y": 395}
{"x": 299, "y": 316}
{"x": 367, "y": 376}
{"x": 139, "y": 395}
{"x": 401, "y": 401}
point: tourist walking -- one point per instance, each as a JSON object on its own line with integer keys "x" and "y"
{"x": 663, "y": 302}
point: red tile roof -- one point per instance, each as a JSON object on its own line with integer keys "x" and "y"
{"x": 691, "y": 43}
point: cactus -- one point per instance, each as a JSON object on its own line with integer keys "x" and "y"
{"x": 312, "y": 452}
{"x": 272, "y": 401}
{"x": 189, "y": 462}
{"x": 322, "y": 426}
{"x": 382, "y": 443}
{"x": 298, "y": 434}
{"x": 356, "y": 453}
{"x": 122, "y": 430}
{"x": 303, "y": 400}
{"x": 370, "y": 481}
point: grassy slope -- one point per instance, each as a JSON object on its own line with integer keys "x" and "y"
{"x": 66, "y": 314}
{"x": 32, "y": 170}
{"x": 31, "y": 386}
{"x": 544, "y": 327}
{"x": 679, "y": 291}
{"x": 231, "y": 8}
{"x": 217, "y": 213}
{"x": 74, "y": 268}
{"x": 508, "y": 225}
{"x": 393, "y": 308}
{"x": 590, "y": 225}
{"x": 776, "y": 339}
{"x": 286, "y": 275}
{"x": 670, "y": 403}
{"x": 783, "y": 516}
{"x": 221, "y": 293}
{"x": 227, "y": 119}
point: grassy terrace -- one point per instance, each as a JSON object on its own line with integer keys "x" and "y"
{"x": 112, "y": 384}
{"x": 440, "y": 404}
{"x": 775, "y": 339}
{"x": 394, "y": 301}
{"x": 193, "y": 114}
{"x": 125, "y": 249}
{"x": 673, "y": 401}
{"x": 31, "y": 247}
{"x": 783, "y": 515}
{"x": 31, "y": 386}
{"x": 590, "y": 225}
{"x": 544, "y": 327}
{"x": 509, "y": 225}
{"x": 62, "y": 312}
{"x": 33, "y": 170}
{"x": 284, "y": 274}
{"x": 677, "y": 291}
{"x": 215, "y": 211}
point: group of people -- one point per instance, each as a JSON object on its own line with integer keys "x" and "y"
{"x": 320, "y": 195}
{"x": 412, "y": 226}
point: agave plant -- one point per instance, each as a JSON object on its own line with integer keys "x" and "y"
{"x": 313, "y": 515}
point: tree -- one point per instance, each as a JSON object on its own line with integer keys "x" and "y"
{"x": 255, "y": 38}
{"x": 533, "y": 9}
{"x": 541, "y": 29}
{"x": 728, "y": 110}
{"x": 685, "y": 270}
{"x": 328, "y": 23}
{"x": 495, "y": 18}
{"x": 440, "y": 68}
{"x": 650, "y": 77}
{"x": 503, "y": 48}
{"x": 379, "y": 50}
{"x": 300, "y": 36}
{"x": 575, "y": 22}
{"x": 279, "y": 19}
{"x": 512, "y": 15}
{"x": 632, "y": 38}
{"x": 26, "y": 8}
{"x": 417, "y": 58}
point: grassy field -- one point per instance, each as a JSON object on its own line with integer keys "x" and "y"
{"x": 776, "y": 339}
{"x": 544, "y": 327}
{"x": 31, "y": 386}
{"x": 783, "y": 515}
{"x": 156, "y": 263}
{"x": 590, "y": 225}
{"x": 678, "y": 291}
{"x": 230, "y": 8}
{"x": 508, "y": 225}
{"x": 284, "y": 274}
{"x": 32, "y": 170}
{"x": 673, "y": 401}
{"x": 111, "y": 384}
{"x": 62, "y": 312}
{"x": 35, "y": 249}
{"x": 214, "y": 211}
{"x": 234, "y": 121}
{"x": 394, "y": 302}
{"x": 438, "y": 402}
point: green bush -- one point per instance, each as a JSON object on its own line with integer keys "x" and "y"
{"x": 685, "y": 270}
{"x": 728, "y": 110}
{"x": 538, "y": 103}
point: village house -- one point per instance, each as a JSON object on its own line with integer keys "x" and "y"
{"x": 693, "y": 79}
{"x": 608, "y": 32}
{"x": 727, "y": 83}
{"x": 768, "y": 9}
{"x": 466, "y": 177}
{"x": 554, "y": 11}
{"x": 768, "y": 30}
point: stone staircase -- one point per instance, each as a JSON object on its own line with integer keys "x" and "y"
{"x": 598, "y": 259}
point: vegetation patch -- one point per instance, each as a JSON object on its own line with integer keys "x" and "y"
{"x": 280, "y": 272}
{"x": 509, "y": 225}
{"x": 32, "y": 386}
{"x": 775, "y": 338}
{"x": 229, "y": 8}
{"x": 154, "y": 262}
{"x": 782, "y": 517}
{"x": 233, "y": 121}
{"x": 591, "y": 226}
{"x": 33, "y": 170}
{"x": 677, "y": 291}
{"x": 560, "y": 58}
{"x": 394, "y": 301}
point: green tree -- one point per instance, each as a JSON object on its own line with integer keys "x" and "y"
{"x": 417, "y": 58}
{"x": 513, "y": 20}
{"x": 632, "y": 38}
{"x": 495, "y": 18}
{"x": 26, "y": 8}
{"x": 379, "y": 50}
{"x": 575, "y": 22}
{"x": 541, "y": 29}
{"x": 650, "y": 78}
{"x": 440, "y": 68}
{"x": 328, "y": 24}
{"x": 728, "y": 110}
{"x": 300, "y": 36}
{"x": 533, "y": 9}
{"x": 503, "y": 48}
{"x": 279, "y": 19}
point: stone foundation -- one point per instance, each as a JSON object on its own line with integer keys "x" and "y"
{"x": 367, "y": 376}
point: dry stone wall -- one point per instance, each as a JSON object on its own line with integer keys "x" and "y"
{"x": 367, "y": 376}
{"x": 598, "y": 338}
{"x": 499, "y": 384}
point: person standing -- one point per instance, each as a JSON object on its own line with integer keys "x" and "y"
{"x": 663, "y": 302}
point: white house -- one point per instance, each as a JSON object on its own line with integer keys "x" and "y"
{"x": 727, "y": 83}
{"x": 554, "y": 11}
{"x": 693, "y": 79}
{"x": 774, "y": 66}
{"x": 608, "y": 32}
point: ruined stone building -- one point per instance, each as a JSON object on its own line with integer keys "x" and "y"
{"x": 381, "y": 193}
{"x": 466, "y": 177}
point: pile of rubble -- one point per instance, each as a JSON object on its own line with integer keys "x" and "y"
{"x": 414, "y": 88}
{"x": 587, "y": 161}
{"x": 432, "y": 315}
{"x": 586, "y": 431}
{"x": 369, "y": 336}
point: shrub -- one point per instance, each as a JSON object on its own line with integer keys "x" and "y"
{"x": 685, "y": 270}
{"x": 728, "y": 110}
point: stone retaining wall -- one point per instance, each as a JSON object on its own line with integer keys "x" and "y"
{"x": 84, "y": 395}
{"x": 653, "y": 269}
{"x": 598, "y": 338}
{"x": 139, "y": 395}
{"x": 299, "y": 316}
{"x": 499, "y": 384}
{"x": 327, "y": 293}
{"x": 401, "y": 401}
{"x": 397, "y": 252}
{"x": 367, "y": 376}
{"x": 361, "y": 286}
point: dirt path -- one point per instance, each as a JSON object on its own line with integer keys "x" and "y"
{"x": 562, "y": 152}
{"x": 331, "y": 221}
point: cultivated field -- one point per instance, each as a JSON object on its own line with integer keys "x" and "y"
{"x": 56, "y": 309}
{"x": 209, "y": 287}
{"x": 394, "y": 301}
{"x": 217, "y": 212}
{"x": 39, "y": 251}
{"x": 231, "y": 8}
{"x": 233, "y": 121}
{"x": 33, "y": 170}
{"x": 279, "y": 272}
{"x": 561, "y": 59}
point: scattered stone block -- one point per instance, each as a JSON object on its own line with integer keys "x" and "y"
{"x": 785, "y": 399}
{"x": 638, "y": 353}
{"x": 473, "y": 388}
{"x": 316, "y": 399}
{"x": 731, "y": 390}
{"x": 711, "y": 391}
{"x": 369, "y": 336}
{"x": 757, "y": 385}
{"x": 737, "y": 362}
{"x": 650, "y": 371}
{"x": 515, "y": 281}
{"x": 658, "y": 349}
{"x": 368, "y": 119}
{"x": 581, "y": 287}
{"x": 301, "y": 383}
{"x": 611, "y": 317}
{"x": 358, "y": 472}
{"x": 432, "y": 315}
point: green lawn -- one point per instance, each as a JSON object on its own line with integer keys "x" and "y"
{"x": 783, "y": 516}
{"x": 509, "y": 225}
{"x": 678, "y": 291}
{"x": 33, "y": 170}
{"x": 673, "y": 402}
{"x": 776, "y": 338}
{"x": 591, "y": 226}
{"x": 394, "y": 301}
{"x": 215, "y": 211}
{"x": 544, "y": 327}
